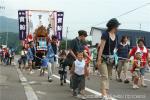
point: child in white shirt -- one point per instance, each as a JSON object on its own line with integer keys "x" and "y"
{"x": 78, "y": 75}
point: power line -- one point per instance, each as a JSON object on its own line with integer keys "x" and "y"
{"x": 123, "y": 14}
{"x": 67, "y": 30}
{"x": 126, "y": 13}
{"x": 133, "y": 10}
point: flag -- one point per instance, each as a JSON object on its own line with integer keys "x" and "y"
{"x": 22, "y": 24}
{"x": 59, "y": 27}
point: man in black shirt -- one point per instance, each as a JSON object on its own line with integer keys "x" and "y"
{"x": 75, "y": 46}
{"x": 31, "y": 56}
{"x": 54, "y": 45}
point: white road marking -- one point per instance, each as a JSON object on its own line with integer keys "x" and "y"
{"x": 144, "y": 79}
{"x": 147, "y": 80}
{"x": 32, "y": 82}
{"x": 30, "y": 94}
{"x": 40, "y": 92}
{"x": 87, "y": 89}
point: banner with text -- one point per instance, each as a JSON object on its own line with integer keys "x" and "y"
{"x": 59, "y": 27}
{"x": 22, "y": 24}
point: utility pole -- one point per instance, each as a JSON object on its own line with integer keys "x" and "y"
{"x": 140, "y": 27}
{"x": 67, "y": 38}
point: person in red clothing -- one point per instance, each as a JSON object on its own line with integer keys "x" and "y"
{"x": 137, "y": 70}
{"x": 144, "y": 55}
{"x": 87, "y": 54}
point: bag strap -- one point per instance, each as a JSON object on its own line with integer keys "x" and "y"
{"x": 115, "y": 43}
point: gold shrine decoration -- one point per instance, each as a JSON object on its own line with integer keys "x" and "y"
{"x": 41, "y": 31}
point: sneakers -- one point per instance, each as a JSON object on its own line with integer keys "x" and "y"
{"x": 119, "y": 80}
{"x": 126, "y": 81}
{"x": 144, "y": 85}
{"x": 135, "y": 87}
{"x": 74, "y": 94}
{"x": 61, "y": 84}
{"x": 65, "y": 81}
{"x": 81, "y": 97}
{"x": 71, "y": 90}
{"x": 50, "y": 80}
{"x": 31, "y": 72}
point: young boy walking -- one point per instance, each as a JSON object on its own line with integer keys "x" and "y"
{"x": 137, "y": 70}
{"x": 62, "y": 67}
{"x": 44, "y": 64}
{"x": 78, "y": 75}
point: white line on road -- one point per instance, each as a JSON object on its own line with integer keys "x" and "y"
{"x": 144, "y": 79}
{"x": 87, "y": 89}
{"x": 147, "y": 80}
{"x": 30, "y": 94}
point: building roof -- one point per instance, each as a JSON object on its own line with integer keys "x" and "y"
{"x": 122, "y": 30}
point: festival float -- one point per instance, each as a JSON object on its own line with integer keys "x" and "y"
{"x": 38, "y": 26}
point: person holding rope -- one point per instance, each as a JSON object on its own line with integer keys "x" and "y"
{"x": 62, "y": 67}
{"x": 50, "y": 56}
{"x": 31, "y": 56}
{"x": 123, "y": 53}
{"x": 54, "y": 44}
{"x": 144, "y": 53}
{"x": 106, "y": 59}
{"x": 23, "y": 58}
{"x": 44, "y": 64}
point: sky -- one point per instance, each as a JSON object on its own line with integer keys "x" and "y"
{"x": 82, "y": 14}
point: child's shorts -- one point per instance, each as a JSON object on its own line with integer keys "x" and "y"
{"x": 43, "y": 66}
{"x": 136, "y": 73}
{"x": 19, "y": 61}
{"x": 141, "y": 71}
{"x": 78, "y": 82}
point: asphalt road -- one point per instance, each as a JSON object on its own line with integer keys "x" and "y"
{"x": 17, "y": 85}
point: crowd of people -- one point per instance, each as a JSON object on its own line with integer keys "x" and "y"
{"x": 108, "y": 54}
{"x": 109, "y": 47}
{"x": 7, "y": 55}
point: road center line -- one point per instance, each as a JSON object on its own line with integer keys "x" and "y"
{"x": 30, "y": 94}
{"x": 144, "y": 79}
{"x": 87, "y": 89}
